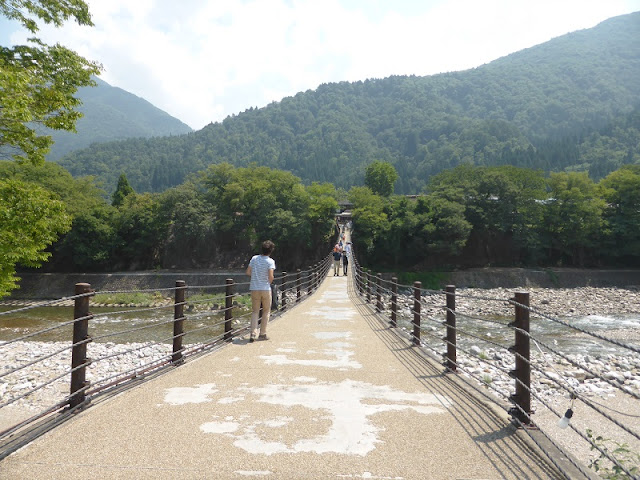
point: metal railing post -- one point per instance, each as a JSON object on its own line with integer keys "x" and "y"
{"x": 522, "y": 372}
{"x": 310, "y": 279}
{"x": 378, "y": 292}
{"x": 297, "y": 285}
{"x": 228, "y": 311}
{"x": 416, "y": 312}
{"x": 81, "y": 337}
{"x": 368, "y": 279}
{"x": 394, "y": 302}
{"x": 283, "y": 285}
{"x": 178, "y": 322}
{"x": 451, "y": 361}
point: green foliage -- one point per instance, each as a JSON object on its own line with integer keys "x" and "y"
{"x": 37, "y": 84}
{"x": 122, "y": 190}
{"x": 626, "y": 458}
{"x": 572, "y": 221}
{"x": 433, "y": 280}
{"x": 38, "y": 81}
{"x": 481, "y": 216}
{"x": 256, "y": 203}
{"x": 380, "y": 177}
{"x": 30, "y": 220}
{"x": 218, "y": 218}
{"x": 139, "y": 299}
{"x": 563, "y": 105}
{"x": 621, "y": 192}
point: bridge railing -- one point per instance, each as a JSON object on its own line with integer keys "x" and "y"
{"x": 523, "y": 377}
{"x": 199, "y": 318}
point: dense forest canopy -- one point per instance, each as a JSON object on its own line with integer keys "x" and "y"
{"x": 503, "y": 216}
{"x": 217, "y": 218}
{"x": 567, "y": 104}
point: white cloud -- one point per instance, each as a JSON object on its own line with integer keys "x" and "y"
{"x": 201, "y": 61}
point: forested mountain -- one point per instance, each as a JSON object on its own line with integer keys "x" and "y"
{"x": 568, "y": 104}
{"x": 111, "y": 113}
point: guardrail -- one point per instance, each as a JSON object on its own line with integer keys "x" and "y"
{"x": 451, "y": 336}
{"x": 188, "y": 317}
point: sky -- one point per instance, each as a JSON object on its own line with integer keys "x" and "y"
{"x": 203, "y": 60}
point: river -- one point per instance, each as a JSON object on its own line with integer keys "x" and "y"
{"x": 109, "y": 321}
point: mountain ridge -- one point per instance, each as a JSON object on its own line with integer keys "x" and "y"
{"x": 111, "y": 113}
{"x": 509, "y": 111}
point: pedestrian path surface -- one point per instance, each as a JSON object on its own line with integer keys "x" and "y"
{"x": 332, "y": 394}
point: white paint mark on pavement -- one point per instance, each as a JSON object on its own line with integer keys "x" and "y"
{"x": 341, "y": 362}
{"x": 343, "y": 406}
{"x": 331, "y": 335}
{"x": 219, "y": 427}
{"x": 251, "y": 473}
{"x": 227, "y": 400}
{"x": 182, "y": 395}
{"x": 333, "y": 313}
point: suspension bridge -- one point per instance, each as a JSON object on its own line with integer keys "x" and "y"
{"x": 340, "y": 390}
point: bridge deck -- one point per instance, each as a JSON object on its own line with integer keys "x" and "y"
{"x": 333, "y": 394}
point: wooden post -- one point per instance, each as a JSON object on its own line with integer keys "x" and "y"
{"x": 79, "y": 350}
{"x": 283, "y": 286}
{"x": 178, "y": 322}
{"x": 451, "y": 328}
{"x": 416, "y": 312}
{"x": 394, "y": 302}
{"x": 378, "y": 292}
{"x": 297, "y": 285}
{"x": 522, "y": 373}
{"x": 228, "y": 309}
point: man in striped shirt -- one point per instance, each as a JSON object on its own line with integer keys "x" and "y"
{"x": 261, "y": 268}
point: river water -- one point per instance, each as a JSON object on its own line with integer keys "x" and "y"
{"x": 108, "y": 322}
{"x": 622, "y": 328}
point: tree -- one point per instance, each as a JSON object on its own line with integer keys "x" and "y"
{"x": 369, "y": 218}
{"x": 621, "y": 190}
{"x": 38, "y": 81}
{"x": 573, "y": 224}
{"x": 122, "y": 190}
{"x": 380, "y": 177}
{"x": 30, "y": 220}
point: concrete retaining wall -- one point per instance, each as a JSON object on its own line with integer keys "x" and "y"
{"x": 57, "y": 285}
{"x": 547, "y": 278}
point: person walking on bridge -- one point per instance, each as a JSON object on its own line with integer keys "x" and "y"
{"x": 337, "y": 254}
{"x": 345, "y": 262}
{"x": 261, "y": 270}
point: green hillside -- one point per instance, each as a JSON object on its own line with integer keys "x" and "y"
{"x": 111, "y": 113}
{"x": 543, "y": 107}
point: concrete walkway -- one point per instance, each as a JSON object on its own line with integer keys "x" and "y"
{"x": 333, "y": 394}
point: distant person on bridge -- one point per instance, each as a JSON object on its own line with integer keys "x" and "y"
{"x": 345, "y": 261}
{"x": 261, "y": 268}
{"x": 337, "y": 255}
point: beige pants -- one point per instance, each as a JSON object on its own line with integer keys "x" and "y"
{"x": 336, "y": 267}
{"x": 260, "y": 297}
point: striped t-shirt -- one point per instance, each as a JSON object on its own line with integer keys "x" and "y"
{"x": 260, "y": 266}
